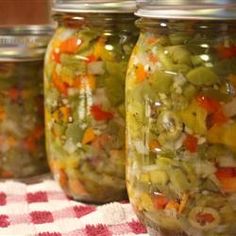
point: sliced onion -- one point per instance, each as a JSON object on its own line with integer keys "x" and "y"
{"x": 96, "y": 68}
{"x": 140, "y": 147}
{"x": 69, "y": 146}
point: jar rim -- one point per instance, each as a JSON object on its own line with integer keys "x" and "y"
{"x": 24, "y": 42}
{"x": 187, "y": 9}
{"x": 26, "y": 30}
{"x": 94, "y": 6}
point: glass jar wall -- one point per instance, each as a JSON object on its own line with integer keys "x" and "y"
{"x": 84, "y": 87}
{"x": 22, "y": 146}
{"x": 181, "y": 144}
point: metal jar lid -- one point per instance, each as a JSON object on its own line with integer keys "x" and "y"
{"x": 24, "y": 42}
{"x": 187, "y": 9}
{"x": 94, "y": 6}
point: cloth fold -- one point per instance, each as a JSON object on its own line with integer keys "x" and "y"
{"x": 42, "y": 209}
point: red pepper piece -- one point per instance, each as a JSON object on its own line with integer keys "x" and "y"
{"x": 99, "y": 114}
{"x": 191, "y": 143}
{"x": 209, "y": 104}
{"x": 226, "y": 52}
{"x": 214, "y": 109}
{"x": 204, "y": 218}
{"x": 217, "y": 118}
{"x": 14, "y": 94}
{"x": 91, "y": 58}
{"x": 225, "y": 172}
{"x": 160, "y": 202}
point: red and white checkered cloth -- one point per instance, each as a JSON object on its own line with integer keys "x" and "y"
{"x": 42, "y": 209}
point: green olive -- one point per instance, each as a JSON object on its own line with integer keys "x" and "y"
{"x": 202, "y": 76}
{"x": 169, "y": 127}
{"x": 204, "y": 218}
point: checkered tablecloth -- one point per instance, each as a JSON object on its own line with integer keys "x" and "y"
{"x": 42, "y": 209}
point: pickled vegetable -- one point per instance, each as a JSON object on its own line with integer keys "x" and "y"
{"x": 22, "y": 148}
{"x": 181, "y": 127}
{"x": 84, "y": 87}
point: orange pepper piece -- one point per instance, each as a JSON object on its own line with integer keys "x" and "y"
{"x": 172, "y": 205}
{"x": 153, "y": 144}
{"x": 227, "y": 178}
{"x": 70, "y": 45}
{"x": 89, "y": 136}
{"x": 160, "y": 202}
{"x": 141, "y": 74}
{"x": 59, "y": 85}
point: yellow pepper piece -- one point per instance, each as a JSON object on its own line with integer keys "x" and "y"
{"x": 194, "y": 118}
{"x": 68, "y": 80}
{"x": 172, "y": 205}
{"x": 72, "y": 162}
{"x": 183, "y": 202}
{"x": 228, "y": 184}
{"x": 215, "y": 134}
{"x": 146, "y": 202}
{"x": 223, "y": 134}
{"x": 62, "y": 114}
{"x": 65, "y": 112}
{"x": 144, "y": 178}
{"x": 100, "y": 50}
{"x": 55, "y": 43}
{"x": 99, "y": 47}
{"x": 47, "y": 116}
{"x": 135, "y": 50}
{"x": 230, "y": 137}
{"x": 89, "y": 136}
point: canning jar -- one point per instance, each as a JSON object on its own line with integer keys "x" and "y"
{"x": 181, "y": 119}
{"x": 84, "y": 87}
{"x": 22, "y": 146}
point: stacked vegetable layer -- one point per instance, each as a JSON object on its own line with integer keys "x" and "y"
{"x": 84, "y": 87}
{"x": 181, "y": 128}
{"x": 22, "y": 151}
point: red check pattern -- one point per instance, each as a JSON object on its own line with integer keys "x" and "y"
{"x": 42, "y": 209}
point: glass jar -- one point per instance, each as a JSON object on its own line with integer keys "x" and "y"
{"x": 84, "y": 87}
{"x": 22, "y": 146}
{"x": 181, "y": 120}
